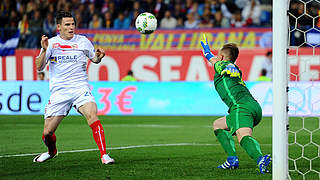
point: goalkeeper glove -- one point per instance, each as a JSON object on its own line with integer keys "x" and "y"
{"x": 205, "y": 48}
{"x": 231, "y": 70}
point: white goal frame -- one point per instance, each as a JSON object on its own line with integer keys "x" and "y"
{"x": 280, "y": 90}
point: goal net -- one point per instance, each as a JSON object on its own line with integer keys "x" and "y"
{"x": 303, "y": 63}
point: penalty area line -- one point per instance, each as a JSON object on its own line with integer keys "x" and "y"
{"x": 117, "y": 148}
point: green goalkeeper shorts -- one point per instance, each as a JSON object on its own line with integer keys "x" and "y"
{"x": 247, "y": 113}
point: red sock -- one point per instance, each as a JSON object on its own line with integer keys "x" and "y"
{"x": 50, "y": 142}
{"x": 98, "y": 135}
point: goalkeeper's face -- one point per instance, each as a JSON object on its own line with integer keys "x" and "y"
{"x": 220, "y": 56}
{"x": 223, "y": 56}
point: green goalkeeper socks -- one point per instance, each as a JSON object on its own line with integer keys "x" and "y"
{"x": 251, "y": 146}
{"x": 226, "y": 141}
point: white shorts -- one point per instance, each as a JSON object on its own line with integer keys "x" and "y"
{"x": 61, "y": 101}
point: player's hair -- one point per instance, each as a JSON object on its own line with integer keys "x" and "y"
{"x": 62, "y": 14}
{"x": 231, "y": 50}
{"x": 269, "y": 53}
{"x": 130, "y": 73}
{"x": 263, "y": 72}
{"x": 41, "y": 72}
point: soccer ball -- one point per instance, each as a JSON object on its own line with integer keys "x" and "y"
{"x": 146, "y": 23}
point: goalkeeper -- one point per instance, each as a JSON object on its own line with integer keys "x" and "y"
{"x": 244, "y": 111}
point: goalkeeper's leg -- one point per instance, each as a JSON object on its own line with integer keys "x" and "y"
{"x": 248, "y": 143}
{"x": 220, "y": 130}
{"x": 252, "y": 147}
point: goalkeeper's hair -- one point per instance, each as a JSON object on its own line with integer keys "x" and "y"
{"x": 62, "y": 14}
{"x": 231, "y": 50}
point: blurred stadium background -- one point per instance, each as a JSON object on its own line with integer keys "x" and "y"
{"x": 160, "y": 126}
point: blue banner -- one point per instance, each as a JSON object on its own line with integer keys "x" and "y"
{"x": 154, "y": 98}
{"x": 157, "y": 98}
{"x": 9, "y": 40}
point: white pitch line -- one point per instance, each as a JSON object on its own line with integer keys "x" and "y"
{"x": 152, "y": 126}
{"x": 144, "y": 125}
{"x": 112, "y": 148}
{"x": 119, "y": 148}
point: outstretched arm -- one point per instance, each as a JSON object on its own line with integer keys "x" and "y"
{"x": 40, "y": 60}
{"x": 98, "y": 56}
{"x": 206, "y": 51}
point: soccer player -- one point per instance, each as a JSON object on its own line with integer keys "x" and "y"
{"x": 244, "y": 111}
{"x": 67, "y": 54}
{"x": 129, "y": 77}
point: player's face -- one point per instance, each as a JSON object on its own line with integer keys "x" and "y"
{"x": 66, "y": 28}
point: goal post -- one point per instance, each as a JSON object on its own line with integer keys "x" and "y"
{"x": 280, "y": 93}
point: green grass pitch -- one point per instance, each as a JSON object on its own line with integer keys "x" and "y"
{"x": 144, "y": 147}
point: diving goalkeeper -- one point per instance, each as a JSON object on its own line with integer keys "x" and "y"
{"x": 244, "y": 111}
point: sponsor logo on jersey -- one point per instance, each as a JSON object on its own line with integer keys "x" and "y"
{"x": 65, "y": 46}
{"x": 53, "y": 59}
{"x": 64, "y": 59}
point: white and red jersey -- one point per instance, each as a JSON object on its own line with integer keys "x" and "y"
{"x": 68, "y": 61}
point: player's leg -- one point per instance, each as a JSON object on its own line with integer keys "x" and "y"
{"x": 57, "y": 108}
{"x": 252, "y": 147}
{"x": 225, "y": 138}
{"x": 250, "y": 115}
{"x": 244, "y": 125}
{"x": 89, "y": 110}
{"x": 49, "y": 138}
{"x": 248, "y": 143}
